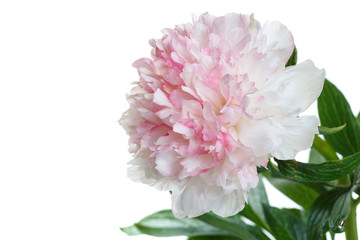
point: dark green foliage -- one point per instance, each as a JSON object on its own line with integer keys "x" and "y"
{"x": 335, "y": 111}
{"x": 293, "y": 58}
{"x": 322, "y": 172}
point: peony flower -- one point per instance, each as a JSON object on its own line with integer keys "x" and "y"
{"x": 213, "y": 103}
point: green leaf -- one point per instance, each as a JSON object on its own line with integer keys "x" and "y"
{"x": 249, "y": 213}
{"x": 318, "y": 215}
{"x": 253, "y": 210}
{"x": 164, "y": 224}
{"x": 234, "y": 226}
{"x": 335, "y": 111}
{"x": 329, "y": 131}
{"x": 302, "y": 194}
{"x": 211, "y": 238}
{"x": 356, "y": 181}
{"x": 358, "y": 119}
{"x": 340, "y": 211}
{"x": 131, "y": 230}
{"x": 320, "y": 211}
{"x": 293, "y": 58}
{"x": 315, "y": 157}
{"x": 324, "y": 148}
{"x": 302, "y": 214}
{"x": 258, "y": 199}
{"x": 255, "y": 231}
{"x": 322, "y": 172}
{"x": 284, "y": 225}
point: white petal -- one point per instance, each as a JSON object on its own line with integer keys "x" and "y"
{"x": 293, "y": 90}
{"x": 192, "y": 109}
{"x": 261, "y": 161}
{"x": 200, "y": 34}
{"x": 261, "y": 135}
{"x": 198, "y": 198}
{"x": 167, "y": 163}
{"x": 197, "y": 163}
{"x": 144, "y": 66}
{"x": 240, "y": 157}
{"x": 143, "y": 170}
{"x": 180, "y": 46}
{"x": 301, "y": 132}
{"x": 276, "y": 40}
{"x": 248, "y": 177}
{"x": 230, "y": 204}
{"x": 166, "y": 112}
{"x": 148, "y": 115}
{"x": 189, "y": 201}
{"x": 259, "y": 67}
{"x": 149, "y": 138}
{"x": 129, "y": 119}
{"x": 232, "y": 27}
{"x": 177, "y": 96}
{"x": 186, "y": 131}
{"x": 161, "y": 99}
{"x": 208, "y": 94}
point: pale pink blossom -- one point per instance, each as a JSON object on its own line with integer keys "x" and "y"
{"x": 213, "y": 103}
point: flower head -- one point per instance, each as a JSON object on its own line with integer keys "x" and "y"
{"x": 214, "y": 102}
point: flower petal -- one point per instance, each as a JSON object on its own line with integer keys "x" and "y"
{"x": 301, "y": 132}
{"x": 167, "y": 163}
{"x": 230, "y": 204}
{"x": 276, "y": 40}
{"x": 292, "y": 91}
{"x": 189, "y": 200}
{"x": 196, "y": 164}
{"x": 262, "y": 136}
{"x": 212, "y": 104}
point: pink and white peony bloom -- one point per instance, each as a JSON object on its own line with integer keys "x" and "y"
{"x": 214, "y": 102}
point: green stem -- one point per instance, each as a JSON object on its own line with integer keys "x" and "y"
{"x": 329, "y": 154}
{"x": 351, "y": 226}
{"x": 356, "y": 202}
{"x": 230, "y": 227}
{"x": 324, "y": 149}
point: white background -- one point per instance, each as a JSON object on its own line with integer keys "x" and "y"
{"x": 65, "y": 67}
